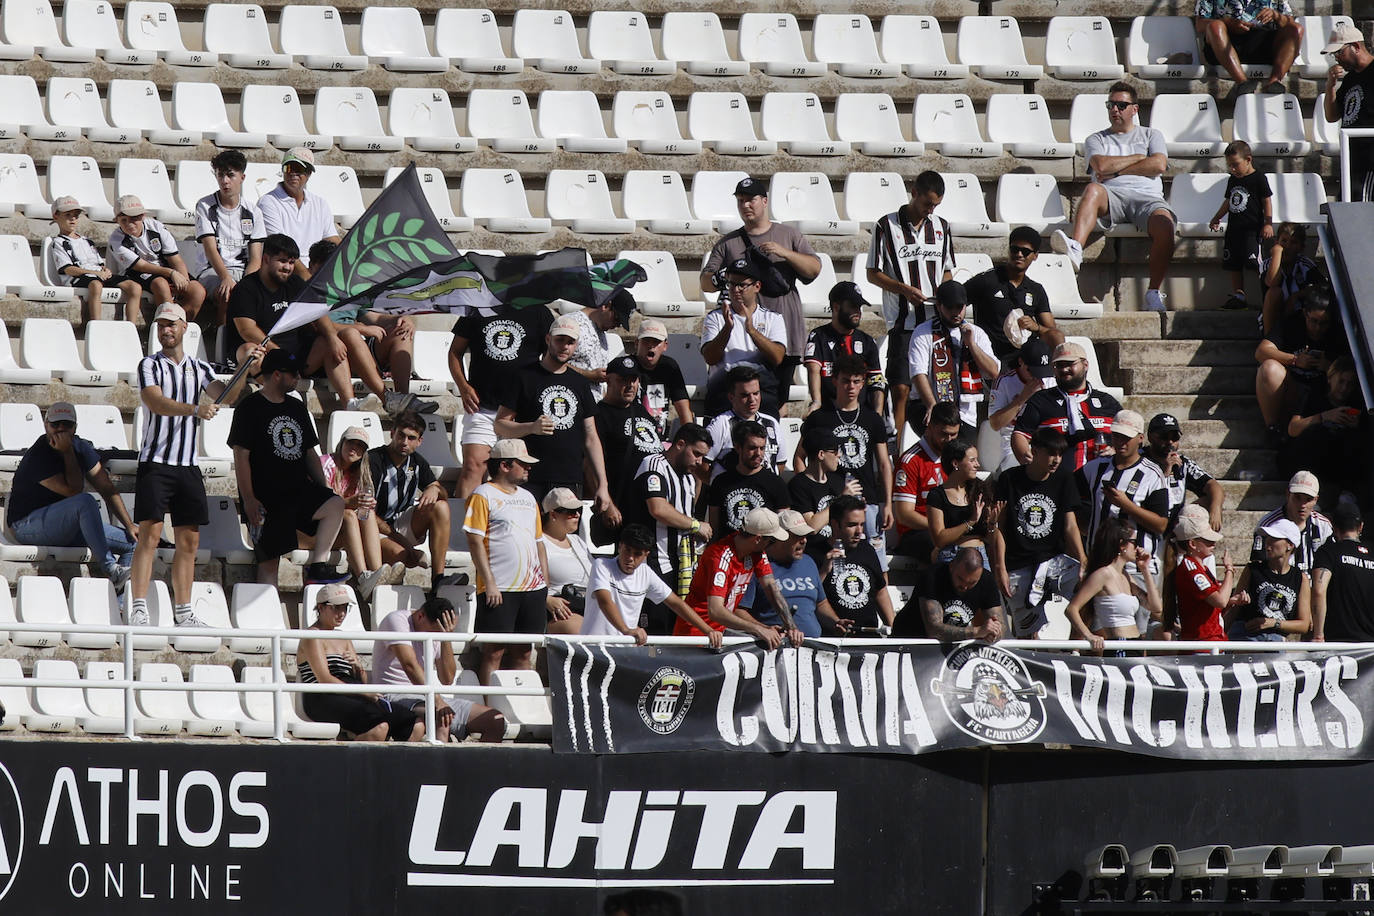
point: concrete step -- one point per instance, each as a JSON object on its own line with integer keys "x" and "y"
{"x": 1210, "y": 325}
{"x": 1158, "y": 353}
{"x": 1228, "y": 380}
{"x": 1252, "y": 496}
{"x": 1116, "y": 326}
{"x": 1188, "y": 407}
{"x": 1231, "y": 463}
{"x": 1239, "y": 433}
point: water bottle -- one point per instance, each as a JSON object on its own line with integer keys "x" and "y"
{"x": 366, "y": 496}
{"x": 255, "y": 529}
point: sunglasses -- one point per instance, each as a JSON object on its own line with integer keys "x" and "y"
{"x": 1119, "y": 106}
{"x": 1019, "y": 252}
{"x": 571, "y": 513}
{"x": 739, "y": 284}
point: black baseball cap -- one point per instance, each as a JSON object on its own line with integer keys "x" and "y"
{"x": 624, "y": 366}
{"x": 280, "y": 360}
{"x": 751, "y": 187}
{"x": 818, "y": 439}
{"x": 1164, "y": 423}
{"x": 1035, "y": 353}
{"x": 1346, "y": 516}
{"x": 952, "y": 294}
{"x": 745, "y": 268}
{"x": 847, "y": 292}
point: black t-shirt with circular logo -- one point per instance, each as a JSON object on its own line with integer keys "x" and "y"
{"x": 1272, "y": 594}
{"x": 1034, "y": 514}
{"x": 853, "y": 584}
{"x": 277, "y": 437}
{"x": 628, "y": 436}
{"x": 500, "y": 344}
{"x": 738, "y": 494}
{"x": 809, "y": 496}
{"x": 566, "y": 398}
{"x": 859, "y": 432}
{"x": 957, "y": 610}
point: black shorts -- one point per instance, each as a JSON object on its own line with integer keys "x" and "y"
{"x": 1253, "y": 47}
{"x": 898, "y": 372}
{"x": 518, "y": 612}
{"x": 85, "y": 280}
{"x": 1240, "y": 250}
{"x": 357, "y": 714}
{"x": 288, "y": 515}
{"x": 165, "y": 487}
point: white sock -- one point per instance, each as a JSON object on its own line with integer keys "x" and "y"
{"x": 180, "y": 612}
{"x": 140, "y": 604}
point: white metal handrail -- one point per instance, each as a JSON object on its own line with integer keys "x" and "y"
{"x": 1347, "y": 133}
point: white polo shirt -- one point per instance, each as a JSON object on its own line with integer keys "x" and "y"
{"x": 307, "y": 224}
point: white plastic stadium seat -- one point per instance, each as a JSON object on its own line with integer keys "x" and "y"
{"x": 1056, "y": 274}
{"x": 349, "y": 113}
{"x": 870, "y": 195}
{"x": 658, "y": 200}
{"x": 216, "y": 457}
{"x": 389, "y": 598}
{"x": 211, "y": 608}
{"x": 19, "y": 190}
{"x": 50, "y": 344}
{"x": 20, "y": 427}
{"x": 1298, "y": 197}
{"x": 713, "y": 198}
{"x": 136, "y": 105}
{"x": 424, "y": 117}
{"x": 24, "y": 112}
{"x": 697, "y": 40}
{"x": 341, "y": 420}
{"x": 147, "y": 178}
{"x": 75, "y": 102}
{"x": 501, "y": 119}
{"x": 436, "y": 195}
{"x": 1081, "y": 48}
{"x": 237, "y": 32}
{"x": 39, "y": 600}
{"x": 969, "y": 264}
{"x": 1164, "y": 47}
{"x": 151, "y": 25}
{"x": 54, "y": 709}
{"x": 649, "y": 122}
{"x": 773, "y": 42}
{"x": 395, "y": 38}
{"x": 916, "y": 43}
{"x": 530, "y": 716}
{"x": 1271, "y": 124}
{"x": 92, "y": 602}
{"x": 276, "y": 112}
{"x": 17, "y": 706}
{"x": 623, "y": 41}
{"x": 804, "y": 200}
{"x": 1022, "y": 123}
{"x": 435, "y": 448}
{"x": 11, "y": 372}
{"x": 200, "y": 107}
{"x": 573, "y": 118}
{"x": 173, "y": 704}
{"x": 965, "y": 209}
{"x": 1326, "y": 135}
{"x": 107, "y": 705}
{"x": 113, "y": 346}
{"x": 7, "y": 615}
{"x": 431, "y": 363}
{"x": 1087, "y": 115}
{"x": 869, "y": 121}
{"x": 29, "y": 23}
{"x": 338, "y": 184}
{"x": 581, "y": 200}
{"x": 549, "y": 39}
{"x": 815, "y": 296}
{"x": 1190, "y": 124}
{"x": 1311, "y": 62}
{"x": 257, "y": 607}
{"x": 221, "y": 705}
{"x": 1030, "y": 200}
{"x": 661, "y": 294}
{"x": 259, "y": 707}
{"x": 797, "y": 122}
{"x": 992, "y": 48}
{"x": 470, "y": 38}
{"x": 846, "y": 42}
{"x": 93, "y": 24}
{"x": 314, "y": 35}
{"x": 1194, "y": 198}
{"x": 947, "y": 124}
{"x": 17, "y": 274}
{"x": 859, "y": 274}
{"x": 103, "y": 424}
{"x": 721, "y": 121}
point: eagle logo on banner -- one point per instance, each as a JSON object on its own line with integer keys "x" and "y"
{"x": 989, "y": 695}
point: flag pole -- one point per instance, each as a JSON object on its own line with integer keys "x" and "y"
{"x": 238, "y": 374}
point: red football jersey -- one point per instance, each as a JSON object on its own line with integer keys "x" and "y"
{"x": 722, "y": 573}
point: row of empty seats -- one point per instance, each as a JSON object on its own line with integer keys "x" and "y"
{"x": 1075, "y": 47}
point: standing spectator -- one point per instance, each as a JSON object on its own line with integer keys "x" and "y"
{"x": 348, "y": 474}
{"x": 281, "y": 482}
{"x": 412, "y": 505}
{"x": 1073, "y": 407}
{"x": 1326, "y": 429}
{"x": 800, "y": 582}
{"x": 661, "y": 385}
{"x": 791, "y": 254}
{"x": 1200, "y": 599}
{"x": 1343, "y": 582}
{"x": 1038, "y": 538}
{"x": 1025, "y": 375}
{"x": 912, "y": 254}
{"x": 950, "y": 357}
{"x": 862, "y": 438}
{"x": 751, "y": 483}
{"x": 170, "y": 388}
{"x": 627, "y": 432}
{"x": 1285, "y": 271}
{"x": 960, "y": 510}
{"x": 918, "y": 470}
{"x": 1125, "y": 161}
{"x": 145, "y": 251}
{"x": 1009, "y": 306}
{"x": 620, "y": 585}
{"x": 743, "y": 386}
{"x": 398, "y": 661}
{"x": 1181, "y": 473}
{"x": 48, "y": 506}
{"x": 74, "y": 261}
{"x": 497, "y": 347}
{"x": 851, "y": 572}
{"x": 842, "y": 337}
{"x": 570, "y": 561}
{"x": 552, "y": 405}
{"x": 1251, "y": 32}
{"x": 1276, "y": 596}
{"x": 1295, "y": 357}
{"x": 291, "y": 210}
{"x": 593, "y": 351}
{"x": 230, "y": 232}
{"x": 1349, "y": 100}
{"x": 741, "y": 331}
{"x": 1127, "y": 485}
{"x": 1108, "y": 596}
{"x": 1249, "y": 211}
{"x": 503, "y": 531}
{"x": 1300, "y": 508}
{"x": 812, "y": 489}
{"x": 956, "y": 601}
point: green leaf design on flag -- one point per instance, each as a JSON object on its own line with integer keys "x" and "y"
{"x": 412, "y": 227}
{"x": 368, "y": 270}
{"x": 389, "y": 224}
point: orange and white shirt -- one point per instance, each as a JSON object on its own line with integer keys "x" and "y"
{"x": 508, "y": 523}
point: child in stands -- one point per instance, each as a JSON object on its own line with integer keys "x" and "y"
{"x": 142, "y": 249}
{"x": 1286, "y": 270}
{"x": 74, "y": 261}
{"x": 1248, "y": 208}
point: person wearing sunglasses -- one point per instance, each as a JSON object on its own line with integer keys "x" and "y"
{"x": 1348, "y": 99}
{"x": 1126, "y": 161}
{"x": 292, "y": 210}
{"x": 742, "y": 330}
{"x": 1009, "y": 305}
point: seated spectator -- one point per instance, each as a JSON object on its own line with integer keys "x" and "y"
{"x": 1107, "y": 596}
{"x": 1295, "y": 357}
{"x": 349, "y": 475}
{"x": 1010, "y": 307}
{"x": 48, "y": 506}
{"x": 1026, "y": 373}
{"x": 917, "y": 472}
{"x": 280, "y": 479}
{"x": 851, "y": 572}
{"x": 398, "y": 661}
{"x": 619, "y": 586}
{"x": 747, "y": 485}
{"x": 1073, "y": 407}
{"x": 1199, "y": 599}
{"x": 800, "y": 582}
{"x": 1275, "y": 596}
{"x": 570, "y": 562}
{"x": 960, "y": 510}
{"x": 812, "y": 489}
{"x": 145, "y": 251}
{"x": 743, "y": 387}
{"x": 1181, "y": 473}
{"x": 661, "y": 384}
{"x": 862, "y": 437}
{"x": 289, "y": 209}
{"x": 1249, "y": 210}
{"x": 1343, "y": 582}
{"x": 1327, "y": 430}
{"x": 412, "y": 505}
{"x": 1345, "y": 100}
{"x": 333, "y": 661}
{"x": 1038, "y": 551}
{"x": 841, "y": 336}
{"x": 1300, "y": 508}
{"x": 230, "y": 232}
{"x": 1285, "y": 271}
{"x": 593, "y": 351}
{"x": 740, "y": 332}
{"x": 628, "y": 434}
{"x": 1250, "y": 32}
{"x": 74, "y": 261}
{"x": 955, "y": 601}
{"x": 950, "y": 359}
{"x": 1127, "y": 485}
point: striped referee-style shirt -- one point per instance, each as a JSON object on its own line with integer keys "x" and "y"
{"x": 172, "y": 440}
{"x": 917, "y": 255}
{"x": 1142, "y": 482}
{"x": 1315, "y": 533}
{"x": 657, "y": 479}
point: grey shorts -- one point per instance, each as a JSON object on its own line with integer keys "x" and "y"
{"x": 210, "y": 280}
{"x": 1028, "y": 617}
{"x": 462, "y": 711}
{"x": 1133, "y": 207}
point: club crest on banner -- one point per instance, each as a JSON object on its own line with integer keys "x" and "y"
{"x": 988, "y": 694}
{"x": 665, "y": 699}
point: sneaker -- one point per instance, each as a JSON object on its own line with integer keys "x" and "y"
{"x": 423, "y": 405}
{"x": 396, "y": 401}
{"x": 1062, "y": 243}
{"x": 395, "y": 574}
{"x": 368, "y": 581}
{"x": 1235, "y": 304}
{"x": 322, "y": 574}
{"x": 1154, "y": 300}
{"x": 139, "y": 618}
{"x": 191, "y": 620}
{"x": 119, "y": 576}
{"x": 354, "y": 403}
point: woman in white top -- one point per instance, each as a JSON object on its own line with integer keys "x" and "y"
{"x": 570, "y": 562}
{"x": 347, "y": 472}
{"x": 1114, "y": 595}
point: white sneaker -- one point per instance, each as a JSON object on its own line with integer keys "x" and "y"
{"x": 139, "y": 618}
{"x": 119, "y": 576}
{"x": 355, "y": 404}
{"x": 1154, "y": 300}
{"x": 396, "y": 401}
{"x": 1062, "y": 243}
{"x": 191, "y": 620}
{"x": 395, "y": 573}
{"x": 369, "y": 580}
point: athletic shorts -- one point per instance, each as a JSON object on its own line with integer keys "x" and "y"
{"x": 401, "y": 524}
{"x": 462, "y": 711}
{"x": 518, "y": 612}
{"x": 1133, "y": 207}
{"x": 285, "y": 517}
{"x": 1240, "y": 250}
{"x": 478, "y": 429}
{"x": 210, "y": 280}
{"x": 898, "y": 371}
{"x": 163, "y": 488}
{"x": 84, "y": 281}
{"x": 1253, "y": 47}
